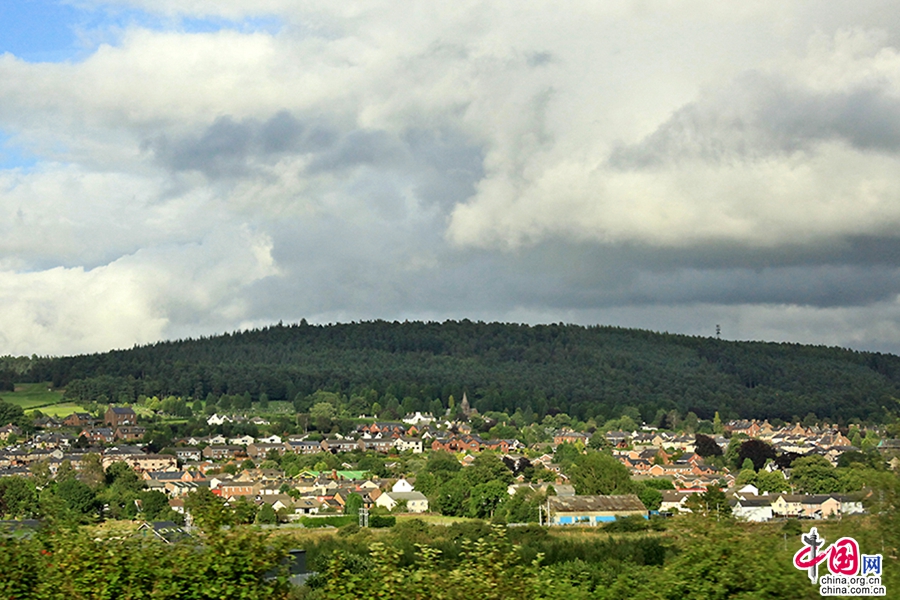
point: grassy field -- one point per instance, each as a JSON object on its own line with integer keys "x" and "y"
{"x": 61, "y": 410}
{"x": 33, "y": 395}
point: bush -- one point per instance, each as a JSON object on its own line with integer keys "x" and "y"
{"x": 627, "y": 524}
{"x": 380, "y": 521}
{"x": 336, "y": 521}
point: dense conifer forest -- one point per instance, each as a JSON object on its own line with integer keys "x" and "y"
{"x": 583, "y": 371}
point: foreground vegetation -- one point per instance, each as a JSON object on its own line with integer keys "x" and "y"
{"x": 686, "y": 557}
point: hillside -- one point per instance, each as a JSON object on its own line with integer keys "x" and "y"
{"x": 583, "y": 371}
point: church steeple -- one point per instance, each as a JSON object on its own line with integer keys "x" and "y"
{"x": 464, "y": 406}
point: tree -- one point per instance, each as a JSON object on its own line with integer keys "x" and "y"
{"x": 451, "y": 497}
{"x": 566, "y": 454}
{"x": 711, "y": 502}
{"x": 92, "y": 472}
{"x": 487, "y": 467}
{"x": 815, "y": 475}
{"x": 207, "y": 510}
{"x": 598, "y": 441}
{"x": 154, "y": 504}
{"x": 706, "y": 446}
{"x": 78, "y": 497}
{"x": 651, "y": 497}
{"x": 11, "y": 413}
{"x": 353, "y": 504}
{"x": 266, "y": 515}
{"x": 599, "y": 473}
{"x": 18, "y": 497}
{"x": 322, "y": 414}
{"x": 757, "y": 451}
{"x": 485, "y": 499}
{"x": 243, "y": 512}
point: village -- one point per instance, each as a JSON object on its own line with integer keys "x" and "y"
{"x": 248, "y": 468}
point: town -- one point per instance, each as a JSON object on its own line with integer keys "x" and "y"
{"x": 757, "y": 471}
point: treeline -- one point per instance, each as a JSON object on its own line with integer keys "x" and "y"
{"x": 585, "y": 372}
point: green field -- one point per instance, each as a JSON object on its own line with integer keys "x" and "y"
{"x": 61, "y": 410}
{"x": 33, "y": 395}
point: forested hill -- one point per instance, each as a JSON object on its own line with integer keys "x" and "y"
{"x": 583, "y": 371}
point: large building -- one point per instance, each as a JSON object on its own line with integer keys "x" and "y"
{"x": 591, "y": 510}
{"x": 117, "y": 416}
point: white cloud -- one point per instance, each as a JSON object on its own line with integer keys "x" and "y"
{"x": 138, "y": 298}
{"x": 428, "y": 152}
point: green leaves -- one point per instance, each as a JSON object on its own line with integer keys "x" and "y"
{"x": 73, "y": 566}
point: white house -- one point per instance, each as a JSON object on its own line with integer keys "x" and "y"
{"x": 416, "y": 502}
{"x": 217, "y": 419}
{"x": 403, "y": 444}
{"x": 753, "y": 509}
{"x": 402, "y": 486}
{"x": 419, "y": 419}
{"x": 272, "y": 439}
{"x": 244, "y": 440}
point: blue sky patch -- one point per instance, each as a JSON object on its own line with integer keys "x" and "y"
{"x": 13, "y": 157}
{"x": 51, "y": 31}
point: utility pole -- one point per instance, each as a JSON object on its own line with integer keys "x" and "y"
{"x": 363, "y": 516}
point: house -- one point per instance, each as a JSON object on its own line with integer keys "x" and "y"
{"x": 99, "y": 434}
{"x": 261, "y": 449}
{"x": 184, "y": 454}
{"x": 117, "y": 416}
{"x": 419, "y": 418}
{"x": 402, "y": 486}
{"x": 757, "y": 509}
{"x": 591, "y": 510}
{"x": 416, "y": 502}
{"x": 244, "y": 440}
{"x": 217, "y": 419}
{"x": 130, "y": 433}
{"x": 570, "y": 437}
{"x": 220, "y": 452}
{"x": 144, "y": 462}
{"x": 80, "y": 419}
{"x": 414, "y": 445}
{"x": 8, "y": 430}
{"x": 674, "y": 500}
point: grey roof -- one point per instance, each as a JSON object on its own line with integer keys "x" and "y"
{"x": 628, "y": 502}
{"x": 398, "y": 496}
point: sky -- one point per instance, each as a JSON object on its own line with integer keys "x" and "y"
{"x": 177, "y": 168}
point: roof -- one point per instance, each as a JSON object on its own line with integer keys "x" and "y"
{"x": 400, "y": 496}
{"x": 628, "y": 502}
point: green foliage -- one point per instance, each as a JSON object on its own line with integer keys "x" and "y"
{"x": 490, "y": 568}
{"x": 599, "y": 473}
{"x": 208, "y": 511}
{"x": 585, "y": 371}
{"x": 73, "y": 566}
{"x": 266, "y": 515}
{"x": 336, "y": 521}
{"x": 353, "y": 504}
{"x": 382, "y": 521}
{"x": 18, "y": 498}
{"x": 627, "y": 524}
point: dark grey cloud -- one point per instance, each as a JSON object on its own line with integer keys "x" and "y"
{"x": 761, "y": 115}
{"x": 442, "y": 165}
{"x": 229, "y": 148}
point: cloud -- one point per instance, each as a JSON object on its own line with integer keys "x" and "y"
{"x": 138, "y": 298}
{"x": 387, "y": 160}
{"x": 772, "y": 158}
